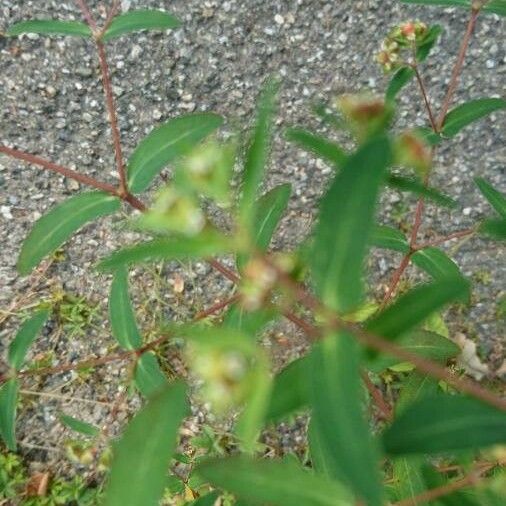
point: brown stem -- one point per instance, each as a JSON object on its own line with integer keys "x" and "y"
{"x": 59, "y": 169}
{"x": 446, "y": 489}
{"x": 457, "y": 69}
{"x": 88, "y": 16}
{"x": 110, "y": 16}
{"x": 113, "y": 119}
{"x": 446, "y": 238}
{"x": 385, "y": 410}
{"x": 217, "y": 307}
{"x": 425, "y": 96}
{"x": 396, "y": 278}
{"x": 382, "y": 345}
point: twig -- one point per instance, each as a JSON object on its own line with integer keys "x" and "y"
{"x": 396, "y": 278}
{"x": 110, "y": 16}
{"x": 446, "y": 238}
{"x": 113, "y": 119}
{"x": 217, "y": 307}
{"x": 64, "y": 171}
{"x": 448, "y": 488}
{"x": 457, "y": 69}
{"x": 425, "y": 96}
{"x": 88, "y": 16}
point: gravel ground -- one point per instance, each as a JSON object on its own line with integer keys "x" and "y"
{"x": 52, "y": 105}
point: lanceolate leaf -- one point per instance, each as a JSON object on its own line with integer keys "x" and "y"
{"x": 273, "y": 482}
{"x": 258, "y": 151}
{"x": 465, "y": 114}
{"x": 175, "y": 138}
{"x": 436, "y": 263}
{"x": 496, "y": 7}
{"x": 79, "y": 426}
{"x": 422, "y": 343}
{"x": 54, "y": 228}
{"x": 445, "y": 423}
{"x": 494, "y": 228}
{"x": 203, "y": 245}
{"x": 445, "y": 3}
{"x": 493, "y": 6}
{"x": 25, "y": 337}
{"x": 290, "y": 391}
{"x": 318, "y": 145}
{"x": 134, "y": 21}
{"x": 50, "y": 27}
{"x": 269, "y": 211}
{"x": 338, "y": 417}
{"x": 8, "y": 402}
{"x": 348, "y": 206}
{"x": 121, "y": 314}
{"x": 407, "y": 184}
{"x": 495, "y": 198}
{"x": 149, "y": 378}
{"x": 415, "y": 306}
{"x": 148, "y": 441}
{"x": 389, "y": 238}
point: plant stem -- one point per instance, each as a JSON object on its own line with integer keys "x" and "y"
{"x": 113, "y": 119}
{"x": 396, "y": 278}
{"x": 110, "y": 16}
{"x": 88, "y": 16}
{"x": 425, "y": 96}
{"x": 382, "y": 345}
{"x": 457, "y": 69}
{"x": 59, "y": 169}
{"x": 446, "y": 489}
{"x": 446, "y": 238}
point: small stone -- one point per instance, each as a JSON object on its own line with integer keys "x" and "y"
{"x": 72, "y": 185}
{"x": 279, "y": 19}
{"x": 51, "y": 91}
{"x": 466, "y": 211}
{"x": 157, "y": 114}
{"x": 84, "y": 72}
{"x": 5, "y": 211}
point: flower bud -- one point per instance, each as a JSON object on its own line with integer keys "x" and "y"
{"x": 412, "y": 151}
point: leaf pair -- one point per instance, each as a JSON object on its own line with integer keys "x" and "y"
{"x": 125, "y": 23}
{"x": 493, "y": 6}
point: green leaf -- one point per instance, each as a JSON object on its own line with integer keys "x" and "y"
{"x": 405, "y": 74}
{"x": 79, "y": 426}
{"x": 496, "y": 7}
{"x": 58, "y": 225}
{"x": 415, "y": 387}
{"x": 134, "y": 21}
{"x": 445, "y": 423}
{"x": 495, "y": 198}
{"x": 250, "y": 323}
{"x": 465, "y": 114}
{"x": 398, "y": 81}
{"x": 269, "y": 211}
{"x": 429, "y": 136}
{"x": 175, "y": 138}
{"x": 408, "y": 478}
{"x": 8, "y": 403}
{"x": 338, "y": 418}
{"x": 203, "y": 245}
{"x": 149, "y": 442}
{"x": 444, "y": 3}
{"x": 494, "y": 228}
{"x": 50, "y": 27}
{"x": 258, "y": 151}
{"x": 349, "y": 205}
{"x": 415, "y": 306}
{"x": 406, "y": 184}
{"x": 272, "y": 482}
{"x": 207, "y": 500}
{"x": 422, "y": 343}
{"x": 251, "y": 419}
{"x": 290, "y": 391}
{"x": 149, "y": 378}
{"x": 436, "y": 263}
{"x": 389, "y": 238}
{"x": 25, "y": 337}
{"x": 121, "y": 314}
{"x": 318, "y": 145}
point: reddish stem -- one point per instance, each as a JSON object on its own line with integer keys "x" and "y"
{"x": 88, "y": 16}
{"x": 113, "y": 119}
{"x": 396, "y": 278}
{"x": 446, "y": 238}
{"x": 59, "y": 169}
{"x": 446, "y": 489}
{"x": 457, "y": 69}
{"x": 425, "y": 96}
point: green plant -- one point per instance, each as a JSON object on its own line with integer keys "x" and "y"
{"x": 429, "y": 439}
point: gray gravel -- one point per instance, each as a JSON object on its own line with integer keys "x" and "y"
{"x": 52, "y": 105}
